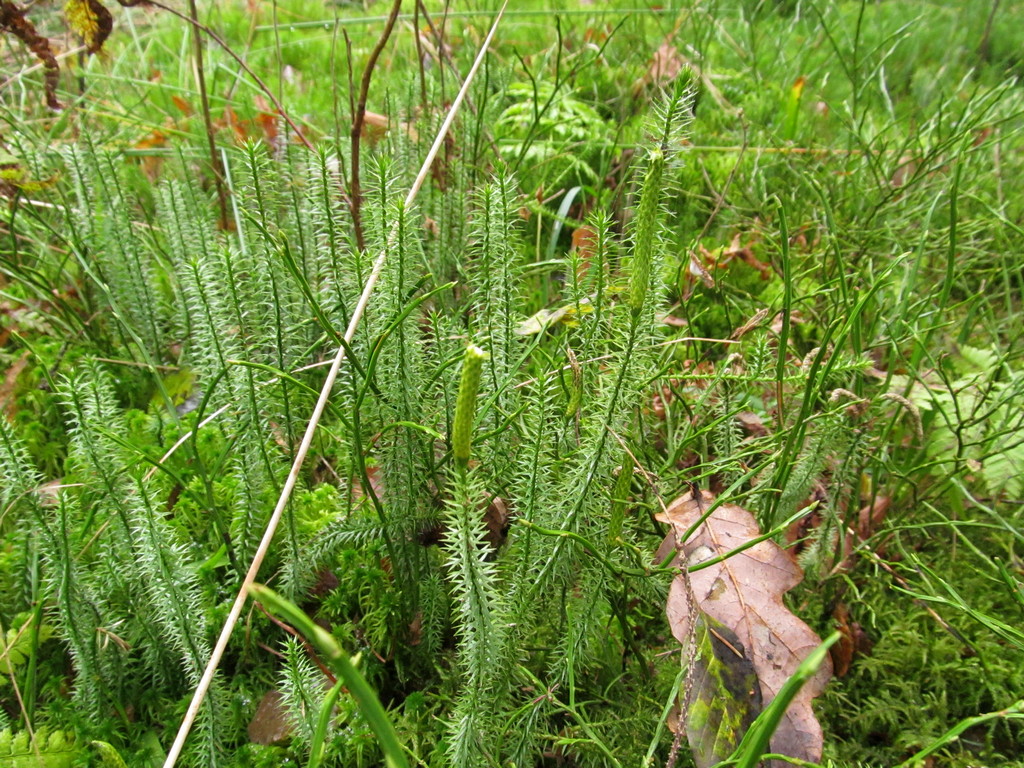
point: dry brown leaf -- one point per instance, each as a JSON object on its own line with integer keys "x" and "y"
{"x": 752, "y": 424}
{"x": 745, "y": 253}
{"x": 376, "y": 484}
{"x": 585, "y": 243}
{"x": 842, "y": 652}
{"x": 795, "y": 318}
{"x": 853, "y": 641}
{"x": 496, "y": 522}
{"x": 374, "y": 126}
{"x": 869, "y": 519}
{"x": 871, "y": 516}
{"x": 664, "y": 67}
{"x": 183, "y": 106}
{"x": 270, "y": 724}
{"x": 906, "y": 170}
{"x": 415, "y": 636}
{"x": 697, "y": 268}
{"x": 750, "y": 325}
{"x": 10, "y": 383}
{"x": 13, "y": 21}
{"x": 90, "y": 21}
{"x": 152, "y": 163}
{"x": 745, "y": 594}
{"x": 267, "y": 118}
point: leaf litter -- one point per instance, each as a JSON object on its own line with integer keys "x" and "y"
{"x": 748, "y": 643}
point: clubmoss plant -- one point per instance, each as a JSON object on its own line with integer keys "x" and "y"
{"x": 797, "y": 287}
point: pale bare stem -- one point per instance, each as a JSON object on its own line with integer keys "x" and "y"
{"x": 182, "y": 440}
{"x": 307, "y": 438}
{"x": 36, "y": 67}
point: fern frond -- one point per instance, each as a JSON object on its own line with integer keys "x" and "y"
{"x": 48, "y": 749}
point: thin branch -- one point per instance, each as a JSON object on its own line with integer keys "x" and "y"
{"x": 211, "y": 133}
{"x": 310, "y": 651}
{"x": 419, "y": 54}
{"x": 307, "y": 438}
{"x": 6, "y": 659}
{"x": 354, "y": 189}
{"x": 985, "y": 46}
{"x": 238, "y": 60}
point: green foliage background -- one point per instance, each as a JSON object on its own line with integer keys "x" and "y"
{"x": 795, "y": 281}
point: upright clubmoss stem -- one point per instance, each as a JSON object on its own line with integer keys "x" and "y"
{"x": 620, "y": 498}
{"x": 465, "y": 405}
{"x": 646, "y": 231}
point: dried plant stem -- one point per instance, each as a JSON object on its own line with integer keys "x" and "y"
{"x": 354, "y": 190}
{"x": 241, "y": 63}
{"x": 985, "y": 46}
{"x": 204, "y": 101}
{"x": 690, "y": 650}
{"x": 321, "y": 404}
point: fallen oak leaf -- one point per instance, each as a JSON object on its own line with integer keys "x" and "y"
{"x": 722, "y": 695}
{"x": 744, "y": 594}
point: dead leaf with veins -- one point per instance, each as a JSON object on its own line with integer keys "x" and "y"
{"x": 744, "y": 595}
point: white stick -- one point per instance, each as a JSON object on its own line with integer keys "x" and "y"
{"x": 307, "y": 438}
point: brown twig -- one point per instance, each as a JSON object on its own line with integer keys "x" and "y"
{"x": 419, "y": 53}
{"x": 204, "y": 101}
{"x": 354, "y": 189}
{"x": 245, "y": 67}
{"x": 305, "y": 643}
{"x": 985, "y": 46}
{"x": 5, "y": 658}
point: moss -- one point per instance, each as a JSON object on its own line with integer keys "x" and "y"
{"x": 919, "y": 680}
